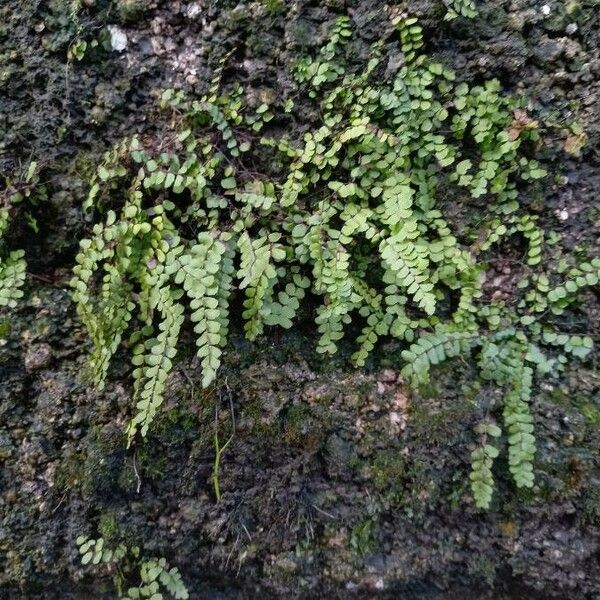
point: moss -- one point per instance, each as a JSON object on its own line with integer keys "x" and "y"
{"x": 128, "y": 480}
{"x": 404, "y": 483}
{"x": 273, "y": 7}
{"x": 70, "y": 473}
{"x": 301, "y": 428}
{"x": 362, "y": 538}
{"x": 509, "y": 528}
{"x": 592, "y": 414}
{"x": 590, "y": 514}
{"x": 130, "y": 10}
{"x": 481, "y": 566}
{"x": 5, "y": 328}
{"x": 261, "y": 426}
{"x": 573, "y": 9}
{"x": 103, "y": 461}
{"x": 436, "y": 424}
{"x": 388, "y": 473}
{"x": 108, "y": 528}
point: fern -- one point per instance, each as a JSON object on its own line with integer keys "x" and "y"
{"x": 502, "y": 359}
{"x": 587, "y": 274}
{"x": 154, "y": 363}
{"x": 434, "y": 348}
{"x": 13, "y": 265}
{"x": 499, "y": 229}
{"x": 205, "y": 273}
{"x": 460, "y": 8}
{"x": 258, "y": 276}
{"x": 12, "y": 277}
{"x": 506, "y": 366}
{"x": 407, "y": 267}
{"x": 153, "y": 575}
{"x": 482, "y": 460}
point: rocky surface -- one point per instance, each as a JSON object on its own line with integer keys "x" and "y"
{"x": 338, "y": 483}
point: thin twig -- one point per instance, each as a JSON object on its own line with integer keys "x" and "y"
{"x": 218, "y": 448}
{"x": 139, "y": 481}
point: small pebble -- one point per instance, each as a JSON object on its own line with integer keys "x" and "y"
{"x": 571, "y": 28}
{"x": 118, "y": 38}
{"x": 194, "y": 9}
{"x": 545, "y": 10}
{"x": 37, "y": 357}
{"x": 388, "y": 376}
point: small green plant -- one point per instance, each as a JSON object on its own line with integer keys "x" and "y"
{"x": 325, "y": 69}
{"x": 460, "y": 8}
{"x": 77, "y": 49}
{"x": 13, "y": 265}
{"x": 508, "y": 358}
{"x": 153, "y": 577}
{"x": 362, "y": 537}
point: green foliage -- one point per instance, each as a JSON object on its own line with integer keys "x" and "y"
{"x": 13, "y": 265}
{"x": 206, "y": 273}
{"x": 586, "y": 274}
{"x": 525, "y": 224}
{"x": 154, "y": 576}
{"x": 460, "y": 8}
{"x": 351, "y": 213}
{"x": 503, "y": 360}
{"x": 507, "y": 358}
{"x": 325, "y": 69}
{"x": 411, "y": 36}
{"x": 12, "y": 277}
{"x": 434, "y": 348}
{"x": 482, "y": 459}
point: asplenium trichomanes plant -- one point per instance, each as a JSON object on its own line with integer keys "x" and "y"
{"x": 135, "y": 577}
{"x": 13, "y": 265}
{"x": 354, "y": 218}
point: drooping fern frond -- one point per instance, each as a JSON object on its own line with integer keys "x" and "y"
{"x": 482, "y": 459}
{"x": 460, "y": 8}
{"x": 13, "y": 265}
{"x": 258, "y": 277}
{"x": 586, "y": 274}
{"x": 205, "y": 273}
{"x": 407, "y": 266}
{"x": 505, "y": 364}
{"x": 434, "y": 348}
{"x": 502, "y": 359}
{"x": 154, "y": 364}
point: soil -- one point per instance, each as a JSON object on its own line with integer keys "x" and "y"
{"x": 338, "y": 482}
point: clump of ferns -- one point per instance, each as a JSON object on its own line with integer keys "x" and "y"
{"x": 355, "y": 220}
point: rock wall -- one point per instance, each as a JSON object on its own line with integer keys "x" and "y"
{"x": 338, "y": 482}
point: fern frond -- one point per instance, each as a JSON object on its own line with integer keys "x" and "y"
{"x": 201, "y": 272}
{"x": 434, "y": 348}
{"x": 407, "y": 266}
{"x": 332, "y": 278}
{"x": 12, "y": 278}
{"x": 258, "y": 276}
{"x": 155, "y": 363}
{"x": 519, "y": 425}
{"x": 482, "y": 459}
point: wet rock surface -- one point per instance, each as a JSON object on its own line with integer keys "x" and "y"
{"x": 338, "y": 483}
